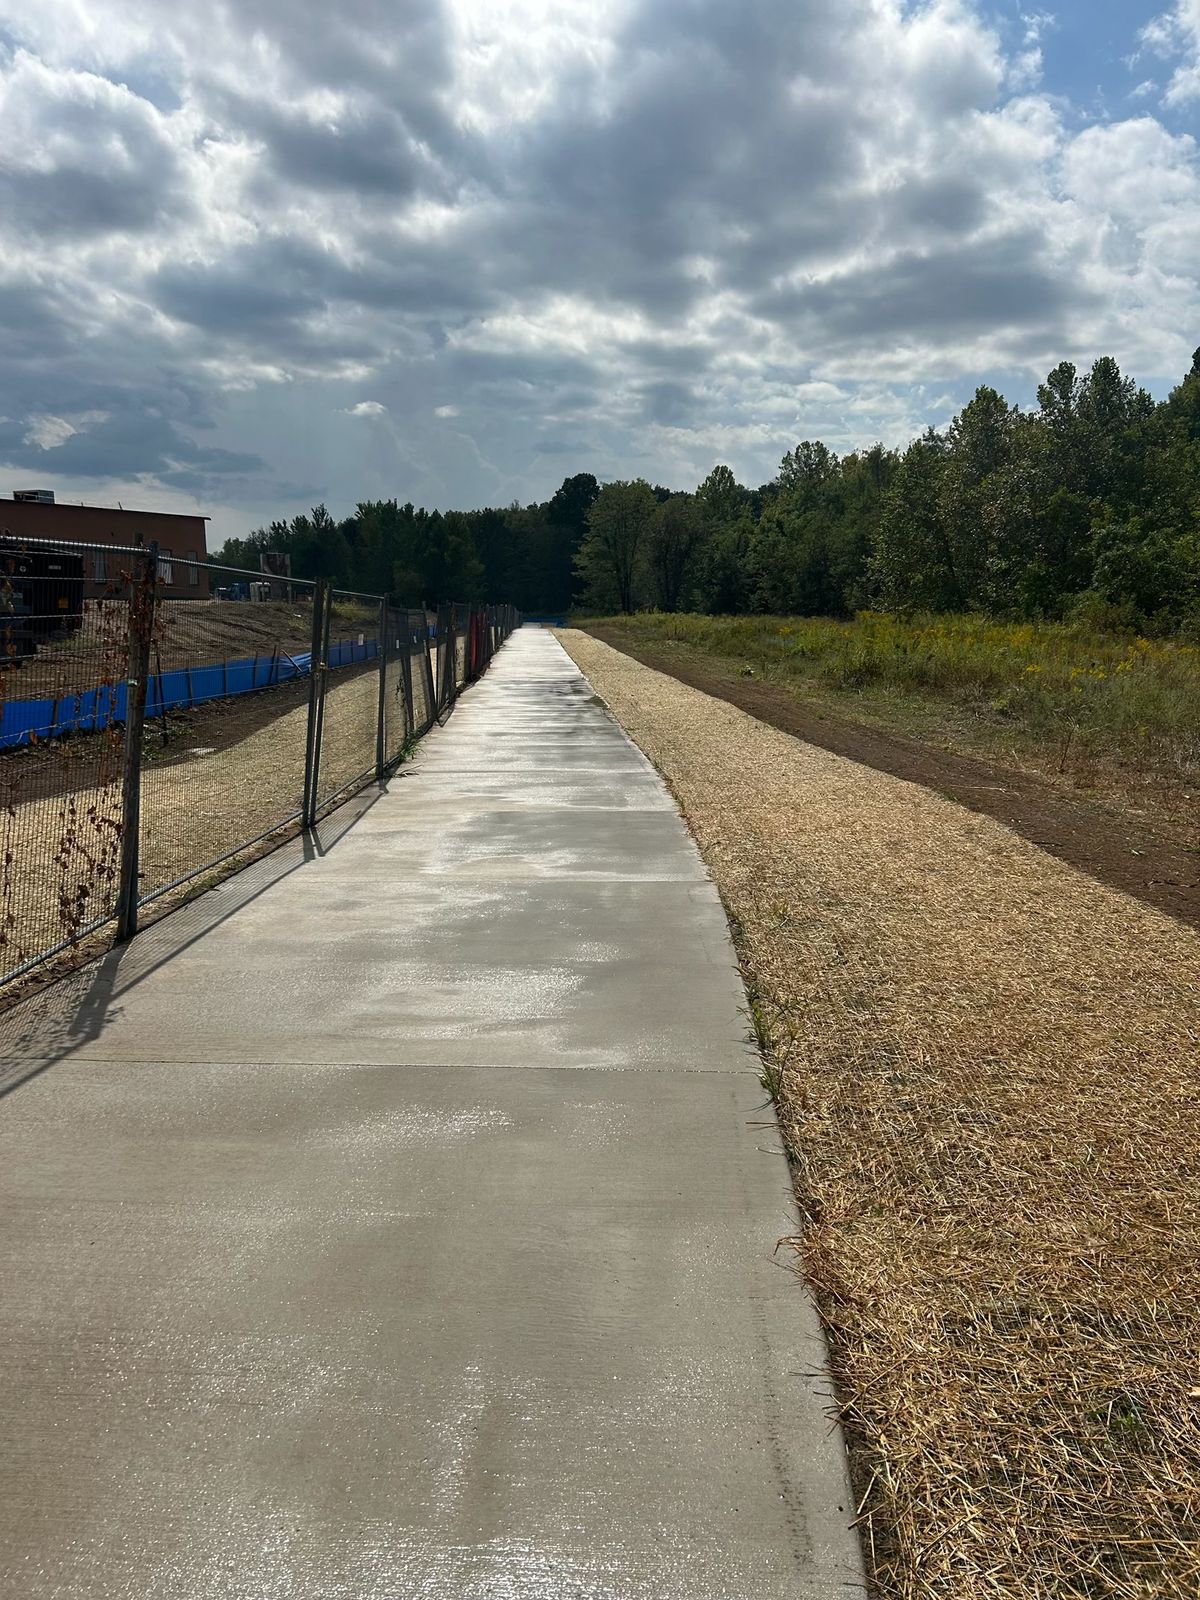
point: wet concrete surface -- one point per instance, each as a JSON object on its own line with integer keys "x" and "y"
{"x": 399, "y": 1219}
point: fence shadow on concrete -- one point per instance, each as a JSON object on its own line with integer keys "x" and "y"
{"x": 45, "y": 1027}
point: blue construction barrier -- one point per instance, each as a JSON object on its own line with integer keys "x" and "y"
{"x": 27, "y": 721}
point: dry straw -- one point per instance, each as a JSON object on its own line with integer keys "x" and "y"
{"x": 989, "y": 1085}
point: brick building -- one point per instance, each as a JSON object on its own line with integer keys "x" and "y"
{"x": 180, "y": 538}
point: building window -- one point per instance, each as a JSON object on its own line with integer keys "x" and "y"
{"x": 193, "y": 570}
{"x": 98, "y": 570}
{"x": 165, "y": 574}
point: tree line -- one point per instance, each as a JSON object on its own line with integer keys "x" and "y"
{"x": 1088, "y": 505}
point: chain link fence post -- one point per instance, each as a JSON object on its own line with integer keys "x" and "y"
{"x": 143, "y": 585}
{"x": 316, "y": 682}
{"x": 381, "y": 655}
{"x": 406, "y": 673}
{"x": 431, "y": 704}
{"x": 445, "y": 658}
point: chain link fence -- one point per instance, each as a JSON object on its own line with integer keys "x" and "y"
{"x": 157, "y": 719}
{"x": 64, "y": 670}
{"x": 346, "y": 752}
{"x": 407, "y": 681}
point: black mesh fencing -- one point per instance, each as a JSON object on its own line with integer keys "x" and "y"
{"x": 349, "y": 667}
{"x": 226, "y": 721}
{"x": 160, "y": 718}
{"x": 395, "y": 698}
{"x": 421, "y": 627}
{"x": 453, "y": 623}
{"x": 406, "y": 682}
{"x": 64, "y": 670}
{"x": 461, "y": 613}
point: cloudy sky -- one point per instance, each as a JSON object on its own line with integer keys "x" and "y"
{"x": 261, "y": 254}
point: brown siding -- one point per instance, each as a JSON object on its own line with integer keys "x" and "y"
{"x": 178, "y": 536}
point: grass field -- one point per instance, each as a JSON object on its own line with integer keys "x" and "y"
{"x": 1115, "y": 714}
{"x": 986, "y": 1069}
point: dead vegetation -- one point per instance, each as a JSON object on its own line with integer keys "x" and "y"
{"x": 988, "y": 1077}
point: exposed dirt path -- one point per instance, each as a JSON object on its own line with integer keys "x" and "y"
{"x": 1117, "y": 850}
{"x": 988, "y": 1067}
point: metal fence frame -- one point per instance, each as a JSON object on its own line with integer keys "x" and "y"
{"x": 413, "y": 692}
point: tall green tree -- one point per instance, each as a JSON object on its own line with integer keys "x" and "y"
{"x": 914, "y": 561}
{"x": 978, "y": 448}
{"x": 721, "y": 497}
{"x": 808, "y": 468}
{"x": 673, "y": 542}
{"x": 565, "y": 518}
{"x": 617, "y": 525}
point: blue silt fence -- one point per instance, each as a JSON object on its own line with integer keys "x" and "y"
{"x": 182, "y": 689}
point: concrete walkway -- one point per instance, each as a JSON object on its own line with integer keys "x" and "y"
{"x": 397, "y": 1220}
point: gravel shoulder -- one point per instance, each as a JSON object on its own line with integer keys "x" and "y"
{"x": 986, "y": 1064}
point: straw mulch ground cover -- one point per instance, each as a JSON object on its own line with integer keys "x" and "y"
{"x": 987, "y": 1072}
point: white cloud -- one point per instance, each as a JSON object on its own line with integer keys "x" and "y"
{"x": 1025, "y": 70}
{"x": 513, "y": 57}
{"x": 1175, "y": 35}
{"x": 82, "y": 156}
{"x": 48, "y": 433}
{"x": 589, "y": 230}
{"x": 1037, "y": 25}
